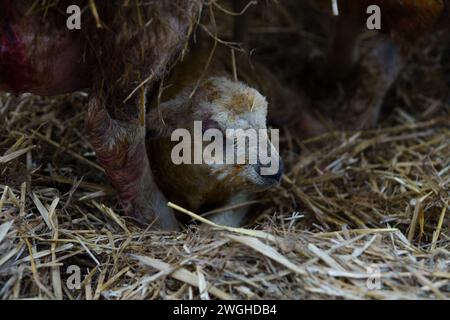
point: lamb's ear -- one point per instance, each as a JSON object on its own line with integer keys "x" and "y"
{"x": 162, "y": 121}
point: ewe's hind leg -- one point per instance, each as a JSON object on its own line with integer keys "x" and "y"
{"x": 120, "y": 148}
{"x": 140, "y": 41}
{"x": 374, "y": 78}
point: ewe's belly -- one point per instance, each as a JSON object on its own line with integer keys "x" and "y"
{"x": 40, "y": 56}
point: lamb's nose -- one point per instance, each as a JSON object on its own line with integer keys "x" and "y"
{"x": 276, "y": 177}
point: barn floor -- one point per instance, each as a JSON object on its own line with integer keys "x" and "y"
{"x": 359, "y": 215}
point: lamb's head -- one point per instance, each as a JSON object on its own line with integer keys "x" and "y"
{"x": 219, "y": 127}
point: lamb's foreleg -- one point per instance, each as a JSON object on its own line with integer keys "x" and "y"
{"x": 233, "y": 217}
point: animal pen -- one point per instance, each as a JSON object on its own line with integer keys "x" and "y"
{"x": 359, "y": 214}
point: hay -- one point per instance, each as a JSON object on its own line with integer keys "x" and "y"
{"x": 354, "y": 210}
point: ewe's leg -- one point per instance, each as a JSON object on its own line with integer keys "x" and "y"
{"x": 120, "y": 148}
{"x": 139, "y": 44}
{"x": 375, "y": 76}
{"x": 366, "y": 79}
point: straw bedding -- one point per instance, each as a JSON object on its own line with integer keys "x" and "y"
{"x": 358, "y": 215}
